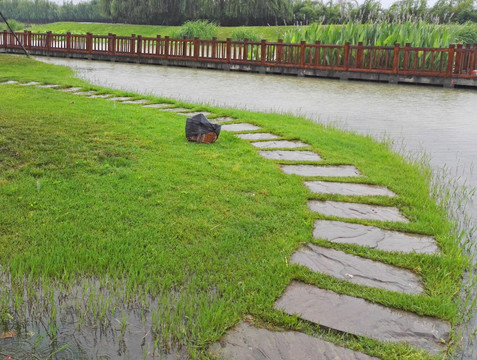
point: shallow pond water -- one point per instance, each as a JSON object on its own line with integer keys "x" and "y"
{"x": 441, "y": 123}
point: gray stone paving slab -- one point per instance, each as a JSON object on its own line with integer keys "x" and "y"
{"x": 139, "y": 101}
{"x": 360, "y": 317}
{"x": 47, "y": 86}
{"x": 279, "y": 144}
{"x": 373, "y": 237}
{"x": 157, "y": 106}
{"x": 190, "y": 114}
{"x": 356, "y": 211}
{"x": 71, "y": 89}
{"x": 257, "y": 136}
{"x": 119, "y": 98}
{"x": 30, "y": 83}
{"x": 328, "y": 187}
{"x": 290, "y": 155}
{"x": 357, "y": 270}
{"x": 222, "y": 119}
{"x": 246, "y": 342}
{"x": 91, "y": 92}
{"x": 240, "y": 127}
{"x": 100, "y": 96}
{"x": 176, "y": 109}
{"x": 321, "y": 170}
{"x": 9, "y": 82}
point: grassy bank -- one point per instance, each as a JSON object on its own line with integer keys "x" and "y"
{"x": 91, "y": 189}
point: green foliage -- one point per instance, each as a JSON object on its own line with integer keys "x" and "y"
{"x": 467, "y": 34}
{"x": 201, "y": 29}
{"x": 242, "y": 33}
{"x": 15, "y": 25}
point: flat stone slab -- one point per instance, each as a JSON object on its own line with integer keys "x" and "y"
{"x": 222, "y": 119}
{"x": 47, "y": 86}
{"x": 321, "y": 170}
{"x": 100, "y": 96}
{"x": 258, "y": 136}
{"x": 240, "y": 127}
{"x": 357, "y": 270}
{"x": 119, "y": 98}
{"x": 177, "y": 109}
{"x": 373, "y": 237}
{"x": 30, "y": 83}
{"x": 279, "y": 144}
{"x": 360, "y": 317}
{"x": 71, "y": 89}
{"x": 328, "y": 187}
{"x": 157, "y": 106}
{"x": 246, "y": 342}
{"x": 190, "y": 114}
{"x": 139, "y": 101}
{"x": 91, "y": 92}
{"x": 287, "y": 155}
{"x": 356, "y": 211}
{"x": 9, "y": 82}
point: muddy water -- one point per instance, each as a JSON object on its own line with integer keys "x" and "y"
{"x": 439, "y": 122}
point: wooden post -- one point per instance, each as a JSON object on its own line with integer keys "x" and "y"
{"x": 48, "y": 40}
{"x": 89, "y": 43}
{"x": 132, "y": 44}
{"x": 458, "y": 58}
{"x": 359, "y": 55}
{"x": 263, "y": 53}
{"x": 166, "y": 47}
{"x": 112, "y": 46}
{"x": 184, "y": 46}
{"x": 407, "y": 51}
{"x": 229, "y": 50}
{"x": 245, "y": 50}
{"x": 450, "y": 60}
{"x": 317, "y": 53}
{"x": 302, "y": 53}
{"x": 346, "y": 56}
{"x": 5, "y": 39}
{"x": 279, "y": 50}
{"x": 214, "y": 48}
{"x": 68, "y": 41}
{"x": 158, "y": 45}
{"x": 397, "y": 50}
{"x": 29, "y": 39}
{"x": 139, "y": 45}
{"x": 196, "y": 49}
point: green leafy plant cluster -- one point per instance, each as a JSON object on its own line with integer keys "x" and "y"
{"x": 201, "y": 29}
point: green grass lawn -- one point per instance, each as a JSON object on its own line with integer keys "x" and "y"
{"x": 271, "y": 33}
{"x": 98, "y": 190}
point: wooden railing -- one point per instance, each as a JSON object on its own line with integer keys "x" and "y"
{"x": 455, "y": 61}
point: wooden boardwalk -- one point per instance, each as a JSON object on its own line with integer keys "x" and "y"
{"x": 449, "y": 67}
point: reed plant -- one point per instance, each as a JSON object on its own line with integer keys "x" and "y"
{"x": 201, "y": 29}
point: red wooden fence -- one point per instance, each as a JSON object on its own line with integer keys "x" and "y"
{"x": 455, "y": 61}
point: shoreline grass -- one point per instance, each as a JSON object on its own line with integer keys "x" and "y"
{"x": 91, "y": 189}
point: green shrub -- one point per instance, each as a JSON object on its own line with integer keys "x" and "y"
{"x": 243, "y": 33}
{"x": 467, "y": 34}
{"x": 15, "y": 25}
{"x": 202, "y": 29}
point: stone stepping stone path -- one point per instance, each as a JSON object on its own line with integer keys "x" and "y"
{"x": 8, "y": 82}
{"x": 71, "y": 89}
{"x": 360, "y": 317}
{"x": 119, "y": 98}
{"x": 280, "y": 144}
{"x": 157, "y": 106}
{"x": 190, "y": 114}
{"x": 357, "y": 270}
{"x": 47, "y": 86}
{"x": 30, "y": 83}
{"x": 100, "y": 96}
{"x": 351, "y": 189}
{"x": 246, "y": 342}
{"x": 178, "y": 109}
{"x": 257, "y": 136}
{"x": 85, "y": 93}
{"x": 321, "y": 170}
{"x": 290, "y": 155}
{"x": 222, "y": 119}
{"x": 240, "y": 127}
{"x": 139, "y": 101}
{"x": 356, "y": 211}
{"x": 373, "y": 237}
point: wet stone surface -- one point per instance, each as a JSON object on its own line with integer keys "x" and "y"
{"x": 356, "y": 211}
{"x": 119, "y": 98}
{"x": 139, "y": 101}
{"x": 287, "y": 155}
{"x": 30, "y": 83}
{"x": 177, "y": 109}
{"x": 280, "y": 144}
{"x": 84, "y": 92}
{"x": 317, "y": 170}
{"x": 190, "y": 114}
{"x": 257, "y": 136}
{"x": 327, "y": 187}
{"x": 357, "y": 270}
{"x": 360, "y": 317}
{"x": 240, "y": 127}
{"x": 222, "y": 119}
{"x": 373, "y": 237}
{"x": 47, "y": 86}
{"x": 157, "y": 106}
{"x": 71, "y": 89}
{"x": 247, "y": 342}
{"x": 100, "y": 96}
{"x": 9, "y": 82}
